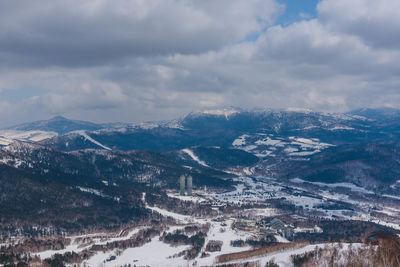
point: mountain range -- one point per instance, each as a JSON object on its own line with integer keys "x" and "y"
{"x": 84, "y": 168}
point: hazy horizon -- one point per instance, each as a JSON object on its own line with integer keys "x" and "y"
{"x": 181, "y": 116}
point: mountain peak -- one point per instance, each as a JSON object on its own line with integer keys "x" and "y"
{"x": 58, "y": 118}
{"x": 58, "y": 124}
{"x": 299, "y": 110}
{"x": 223, "y": 112}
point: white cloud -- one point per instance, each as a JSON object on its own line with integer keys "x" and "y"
{"x": 91, "y": 96}
{"x": 377, "y": 23}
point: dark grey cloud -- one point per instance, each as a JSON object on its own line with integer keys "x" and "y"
{"x": 143, "y": 60}
{"x": 90, "y": 33}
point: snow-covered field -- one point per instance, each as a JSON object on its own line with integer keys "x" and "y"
{"x": 263, "y": 145}
{"x": 193, "y": 198}
{"x": 351, "y": 186}
{"x": 9, "y": 136}
{"x": 82, "y": 242}
{"x": 154, "y": 253}
{"x": 225, "y": 234}
{"x": 157, "y": 253}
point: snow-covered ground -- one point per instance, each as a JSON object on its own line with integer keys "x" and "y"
{"x": 194, "y": 157}
{"x": 391, "y": 196}
{"x": 194, "y": 198}
{"x": 87, "y": 137}
{"x": 157, "y": 253}
{"x": 9, "y": 136}
{"x": 91, "y": 191}
{"x": 351, "y": 186}
{"x": 260, "y": 189}
{"x": 248, "y": 190}
{"x": 81, "y": 242}
{"x": 154, "y": 253}
{"x": 263, "y": 145}
{"x": 180, "y": 218}
{"x": 225, "y": 234}
{"x": 240, "y": 141}
{"x": 15, "y": 162}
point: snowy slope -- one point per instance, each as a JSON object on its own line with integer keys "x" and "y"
{"x": 194, "y": 157}
{"x": 87, "y": 137}
{"x": 9, "y": 136}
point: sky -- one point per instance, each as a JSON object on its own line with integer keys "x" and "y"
{"x": 141, "y": 60}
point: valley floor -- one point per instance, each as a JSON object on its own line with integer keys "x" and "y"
{"x": 251, "y": 218}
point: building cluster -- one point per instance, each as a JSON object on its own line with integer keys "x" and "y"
{"x": 188, "y": 187}
{"x": 274, "y": 226}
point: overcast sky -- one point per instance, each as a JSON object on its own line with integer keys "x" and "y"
{"x": 140, "y": 60}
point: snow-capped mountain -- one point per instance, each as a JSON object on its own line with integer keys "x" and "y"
{"x": 212, "y": 139}
{"x": 223, "y": 127}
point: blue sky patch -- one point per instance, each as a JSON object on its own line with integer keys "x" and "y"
{"x": 296, "y": 10}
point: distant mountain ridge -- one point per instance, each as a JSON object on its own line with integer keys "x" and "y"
{"x": 62, "y": 125}
{"x": 58, "y": 124}
{"x": 221, "y": 127}
{"x": 377, "y": 113}
{"x": 210, "y": 127}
